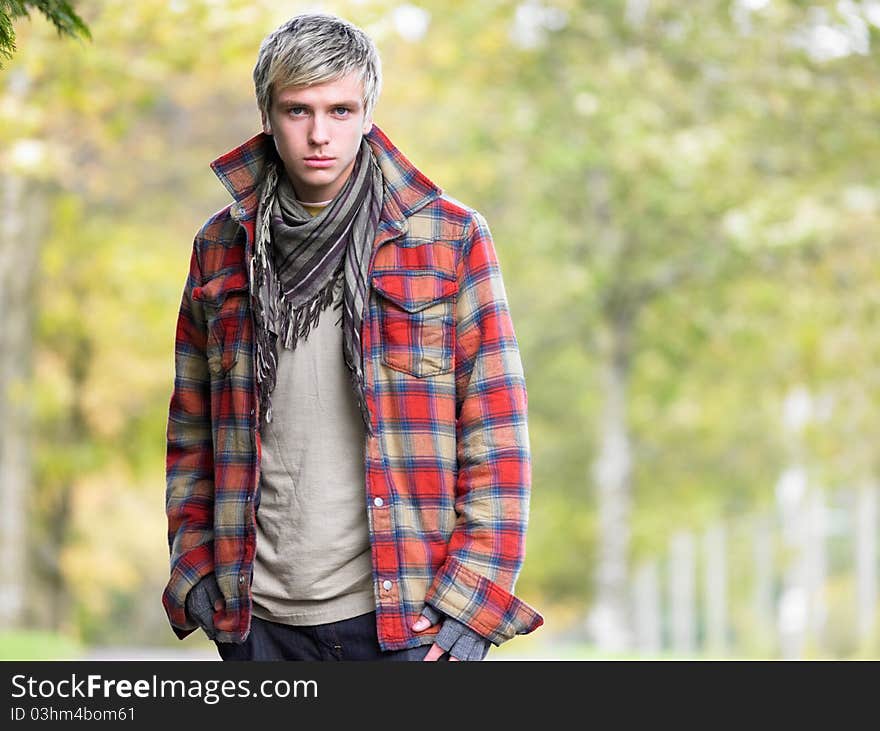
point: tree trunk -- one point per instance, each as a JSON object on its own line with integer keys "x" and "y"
{"x": 19, "y": 257}
{"x": 866, "y": 561}
{"x": 715, "y": 587}
{"x": 647, "y": 609}
{"x": 609, "y": 622}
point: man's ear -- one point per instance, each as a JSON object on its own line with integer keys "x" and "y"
{"x": 267, "y": 127}
{"x": 368, "y": 124}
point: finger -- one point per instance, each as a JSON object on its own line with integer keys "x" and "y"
{"x": 435, "y": 652}
{"x": 453, "y": 659}
{"x": 422, "y": 623}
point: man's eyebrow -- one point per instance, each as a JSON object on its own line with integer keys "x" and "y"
{"x": 294, "y": 102}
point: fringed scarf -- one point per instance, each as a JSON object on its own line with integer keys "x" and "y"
{"x": 298, "y": 259}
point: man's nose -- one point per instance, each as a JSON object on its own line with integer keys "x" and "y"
{"x": 319, "y": 134}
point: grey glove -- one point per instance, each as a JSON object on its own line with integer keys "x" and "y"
{"x": 200, "y": 604}
{"x": 459, "y": 640}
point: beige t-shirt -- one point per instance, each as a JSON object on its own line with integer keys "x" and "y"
{"x": 312, "y": 562}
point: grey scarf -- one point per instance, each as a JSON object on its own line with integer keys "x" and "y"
{"x": 298, "y": 259}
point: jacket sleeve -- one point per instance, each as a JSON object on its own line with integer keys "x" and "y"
{"x": 189, "y": 464}
{"x": 487, "y": 547}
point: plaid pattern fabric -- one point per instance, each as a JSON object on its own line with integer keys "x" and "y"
{"x": 447, "y": 470}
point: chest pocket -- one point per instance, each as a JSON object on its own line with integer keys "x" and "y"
{"x": 417, "y": 319}
{"x": 225, "y": 299}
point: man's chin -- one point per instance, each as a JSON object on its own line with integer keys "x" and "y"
{"x": 310, "y": 179}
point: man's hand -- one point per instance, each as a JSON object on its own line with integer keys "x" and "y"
{"x": 202, "y": 601}
{"x": 461, "y": 642}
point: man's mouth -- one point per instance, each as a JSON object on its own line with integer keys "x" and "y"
{"x": 319, "y": 162}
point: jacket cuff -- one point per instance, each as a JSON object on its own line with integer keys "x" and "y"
{"x": 187, "y": 572}
{"x": 480, "y": 603}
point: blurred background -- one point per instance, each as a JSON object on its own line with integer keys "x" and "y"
{"x": 685, "y": 200}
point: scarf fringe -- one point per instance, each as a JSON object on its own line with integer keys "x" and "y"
{"x": 360, "y": 396}
{"x": 296, "y": 323}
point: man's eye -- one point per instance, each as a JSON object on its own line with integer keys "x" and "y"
{"x": 341, "y": 111}
{"x": 296, "y": 110}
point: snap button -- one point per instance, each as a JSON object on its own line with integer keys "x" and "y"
{"x": 386, "y": 585}
{"x": 240, "y": 579}
{"x": 378, "y": 502}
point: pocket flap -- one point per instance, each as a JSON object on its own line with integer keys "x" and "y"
{"x": 414, "y": 289}
{"x": 215, "y": 290}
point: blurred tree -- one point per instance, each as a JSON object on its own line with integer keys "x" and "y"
{"x": 21, "y": 228}
{"x": 23, "y": 198}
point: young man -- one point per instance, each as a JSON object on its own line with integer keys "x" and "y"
{"x": 348, "y": 467}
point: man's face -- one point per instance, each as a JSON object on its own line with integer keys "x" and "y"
{"x": 317, "y": 131}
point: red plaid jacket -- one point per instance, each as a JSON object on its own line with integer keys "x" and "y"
{"x": 447, "y": 470}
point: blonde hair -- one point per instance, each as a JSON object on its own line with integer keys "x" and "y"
{"x": 313, "y": 49}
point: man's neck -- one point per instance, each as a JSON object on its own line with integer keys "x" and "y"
{"x": 314, "y": 204}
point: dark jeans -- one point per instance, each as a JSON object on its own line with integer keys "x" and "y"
{"x": 348, "y": 639}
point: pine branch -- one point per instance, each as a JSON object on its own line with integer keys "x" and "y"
{"x": 58, "y": 12}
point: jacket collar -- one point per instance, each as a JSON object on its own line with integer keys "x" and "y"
{"x": 407, "y": 188}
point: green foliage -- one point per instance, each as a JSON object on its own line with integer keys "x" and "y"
{"x": 59, "y": 12}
